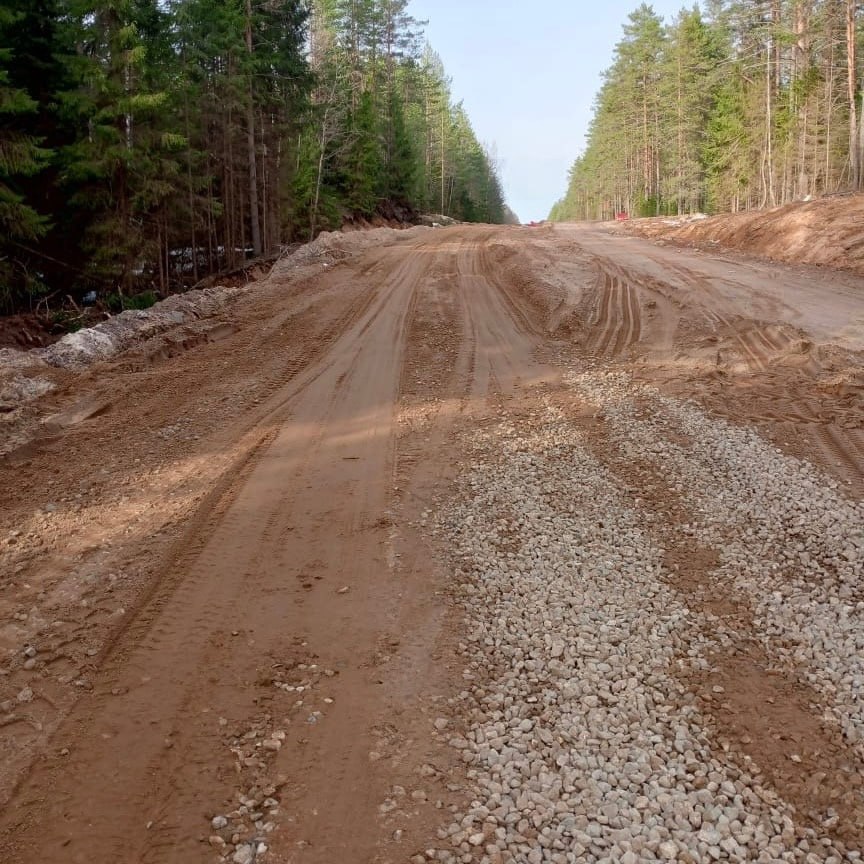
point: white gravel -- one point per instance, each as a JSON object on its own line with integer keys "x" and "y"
{"x": 104, "y": 340}
{"x": 583, "y": 742}
{"x": 331, "y": 247}
{"x": 790, "y": 541}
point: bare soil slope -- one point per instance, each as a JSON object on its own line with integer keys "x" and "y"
{"x": 827, "y": 232}
{"x": 263, "y": 586}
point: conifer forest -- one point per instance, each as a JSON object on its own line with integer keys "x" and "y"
{"x": 736, "y": 105}
{"x": 145, "y": 144}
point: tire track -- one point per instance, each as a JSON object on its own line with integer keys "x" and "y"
{"x": 232, "y": 558}
{"x": 605, "y": 315}
{"x": 839, "y": 451}
{"x": 617, "y": 324}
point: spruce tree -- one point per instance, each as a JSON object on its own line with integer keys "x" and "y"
{"x": 20, "y": 156}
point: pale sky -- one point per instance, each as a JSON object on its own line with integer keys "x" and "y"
{"x": 527, "y": 73}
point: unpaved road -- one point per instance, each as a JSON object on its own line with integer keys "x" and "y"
{"x": 277, "y": 578}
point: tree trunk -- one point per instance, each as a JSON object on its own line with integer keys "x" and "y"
{"x": 254, "y": 216}
{"x": 852, "y": 72}
{"x": 321, "y": 151}
{"x": 776, "y": 21}
{"x": 190, "y": 192}
{"x": 443, "y": 113}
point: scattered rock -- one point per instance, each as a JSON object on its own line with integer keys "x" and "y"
{"x": 583, "y": 743}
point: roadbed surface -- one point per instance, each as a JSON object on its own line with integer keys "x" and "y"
{"x": 484, "y": 544}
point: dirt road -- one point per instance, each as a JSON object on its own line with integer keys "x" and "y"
{"x": 230, "y": 623}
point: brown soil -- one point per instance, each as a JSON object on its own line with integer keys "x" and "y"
{"x": 218, "y": 545}
{"x": 827, "y": 232}
{"x": 26, "y": 331}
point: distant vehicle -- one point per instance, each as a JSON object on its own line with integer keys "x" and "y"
{"x": 623, "y": 216}
{"x": 536, "y": 224}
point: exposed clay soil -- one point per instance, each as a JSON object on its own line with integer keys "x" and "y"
{"x": 26, "y": 331}
{"x": 828, "y": 232}
{"x": 217, "y": 543}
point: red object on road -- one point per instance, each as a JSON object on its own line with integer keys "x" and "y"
{"x": 622, "y": 216}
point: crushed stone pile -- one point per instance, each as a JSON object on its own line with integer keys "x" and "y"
{"x": 75, "y": 351}
{"x": 586, "y": 742}
{"x": 330, "y": 247}
{"x": 121, "y": 331}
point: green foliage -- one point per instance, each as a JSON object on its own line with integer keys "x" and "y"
{"x": 386, "y": 129}
{"x": 117, "y": 302}
{"x": 20, "y": 157}
{"x": 743, "y": 106}
{"x": 362, "y": 164}
{"x": 66, "y": 321}
{"x": 151, "y": 142}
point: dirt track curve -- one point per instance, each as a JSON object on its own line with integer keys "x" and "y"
{"x": 232, "y": 559}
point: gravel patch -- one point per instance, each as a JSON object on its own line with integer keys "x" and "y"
{"x": 331, "y": 247}
{"x": 80, "y": 349}
{"x": 583, "y": 742}
{"x": 790, "y": 541}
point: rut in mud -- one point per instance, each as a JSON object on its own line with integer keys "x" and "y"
{"x": 457, "y": 546}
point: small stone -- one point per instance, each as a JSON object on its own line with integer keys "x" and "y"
{"x": 668, "y": 850}
{"x": 30, "y": 651}
{"x": 244, "y": 854}
{"x": 218, "y": 823}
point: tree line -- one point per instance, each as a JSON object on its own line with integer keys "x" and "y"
{"x": 745, "y": 104}
{"x": 145, "y": 144}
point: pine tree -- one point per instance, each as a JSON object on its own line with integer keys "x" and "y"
{"x": 20, "y": 156}
{"x": 688, "y": 92}
{"x": 164, "y": 140}
{"x": 362, "y": 164}
{"x": 758, "y": 102}
{"x": 114, "y": 167}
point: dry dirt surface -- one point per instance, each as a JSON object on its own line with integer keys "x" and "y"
{"x": 471, "y": 544}
{"x": 826, "y": 232}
